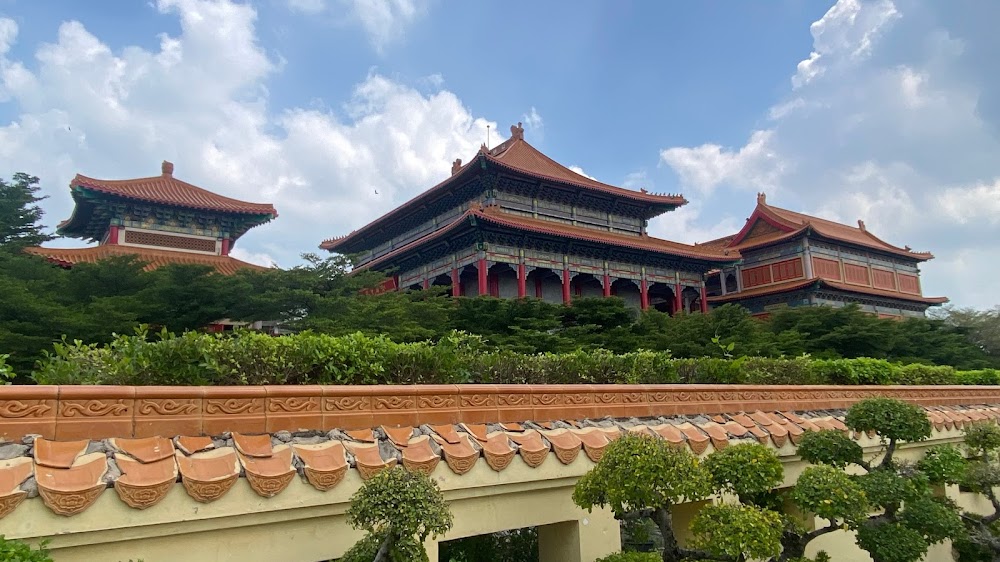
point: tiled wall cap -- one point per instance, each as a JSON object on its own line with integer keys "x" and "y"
{"x": 209, "y": 475}
{"x": 400, "y": 436}
{"x": 498, "y": 451}
{"x": 58, "y": 454}
{"x": 566, "y": 445}
{"x": 68, "y": 491}
{"x": 192, "y": 445}
{"x": 325, "y": 463}
{"x": 460, "y": 456}
{"x": 269, "y": 476}
{"x": 257, "y": 446}
{"x": 143, "y": 485}
{"x": 418, "y": 455}
{"x": 148, "y": 450}
{"x": 13, "y": 473}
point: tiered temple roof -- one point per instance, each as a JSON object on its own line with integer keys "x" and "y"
{"x": 159, "y": 220}
{"x": 516, "y": 156}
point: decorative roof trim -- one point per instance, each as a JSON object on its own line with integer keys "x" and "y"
{"x": 804, "y": 283}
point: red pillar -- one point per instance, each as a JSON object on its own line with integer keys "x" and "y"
{"x": 643, "y": 294}
{"x": 113, "y": 235}
{"x": 225, "y": 246}
{"x": 456, "y": 288}
{"x": 678, "y": 302}
{"x": 565, "y": 286}
{"x": 607, "y": 285}
{"x": 427, "y": 284}
{"x": 522, "y": 282}
{"x": 481, "y": 267}
{"x": 704, "y": 300}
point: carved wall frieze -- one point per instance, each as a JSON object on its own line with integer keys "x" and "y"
{"x": 393, "y": 402}
{"x": 348, "y": 403}
{"x": 166, "y": 407}
{"x": 18, "y": 409}
{"x": 293, "y": 405}
{"x": 93, "y": 408}
{"x": 234, "y": 406}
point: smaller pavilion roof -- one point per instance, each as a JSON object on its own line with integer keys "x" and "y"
{"x": 154, "y": 258}
{"x": 787, "y": 224}
{"x": 164, "y": 189}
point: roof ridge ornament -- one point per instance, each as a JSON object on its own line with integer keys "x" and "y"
{"x": 167, "y": 168}
{"x": 517, "y": 131}
{"x": 861, "y": 225}
{"x": 761, "y": 198}
{"x": 456, "y": 166}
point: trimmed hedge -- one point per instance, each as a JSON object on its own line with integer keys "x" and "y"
{"x": 251, "y": 358}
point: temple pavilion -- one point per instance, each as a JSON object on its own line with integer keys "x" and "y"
{"x": 792, "y": 259}
{"x": 160, "y": 220}
{"x": 512, "y": 222}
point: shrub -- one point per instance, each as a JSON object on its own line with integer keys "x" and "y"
{"x": 252, "y": 358}
{"x": 17, "y": 551}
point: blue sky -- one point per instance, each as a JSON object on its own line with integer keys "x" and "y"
{"x": 884, "y": 110}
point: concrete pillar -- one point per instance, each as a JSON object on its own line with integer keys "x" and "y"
{"x": 481, "y": 270}
{"x": 456, "y": 288}
{"x": 522, "y": 282}
{"x": 722, "y": 278}
{"x": 594, "y": 536}
{"x": 565, "y": 286}
{"x": 807, "y": 262}
{"x": 431, "y": 547}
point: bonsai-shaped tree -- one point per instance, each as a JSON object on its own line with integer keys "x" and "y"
{"x": 891, "y": 506}
{"x": 642, "y": 476}
{"x": 399, "y": 509}
{"x": 982, "y": 475}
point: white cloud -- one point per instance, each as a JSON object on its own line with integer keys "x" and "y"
{"x": 637, "y": 180}
{"x": 847, "y": 30}
{"x": 200, "y": 100}
{"x": 978, "y": 203}
{"x": 891, "y": 119}
{"x": 755, "y": 165}
{"x": 686, "y": 225}
{"x": 258, "y": 258}
{"x": 8, "y": 33}
{"x": 385, "y": 21}
{"x": 533, "y": 120}
{"x": 580, "y": 171}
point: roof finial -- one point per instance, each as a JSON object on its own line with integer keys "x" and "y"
{"x": 456, "y": 166}
{"x": 762, "y": 198}
{"x": 167, "y": 168}
{"x": 861, "y": 225}
{"x": 517, "y": 131}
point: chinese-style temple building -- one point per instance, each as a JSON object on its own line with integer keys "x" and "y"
{"x": 160, "y": 220}
{"x": 514, "y": 223}
{"x": 792, "y": 259}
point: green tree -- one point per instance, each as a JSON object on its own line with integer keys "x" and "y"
{"x": 20, "y": 214}
{"x": 907, "y": 518}
{"x": 398, "y": 509}
{"x": 642, "y": 476}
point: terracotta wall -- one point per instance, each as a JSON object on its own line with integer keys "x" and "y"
{"x": 75, "y": 412}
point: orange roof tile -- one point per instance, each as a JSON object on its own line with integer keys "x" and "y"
{"x": 168, "y": 190}
{"x": 791, "y": 224}
{"x": 519, "y": 156}
{"x": 154, "y": 258}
